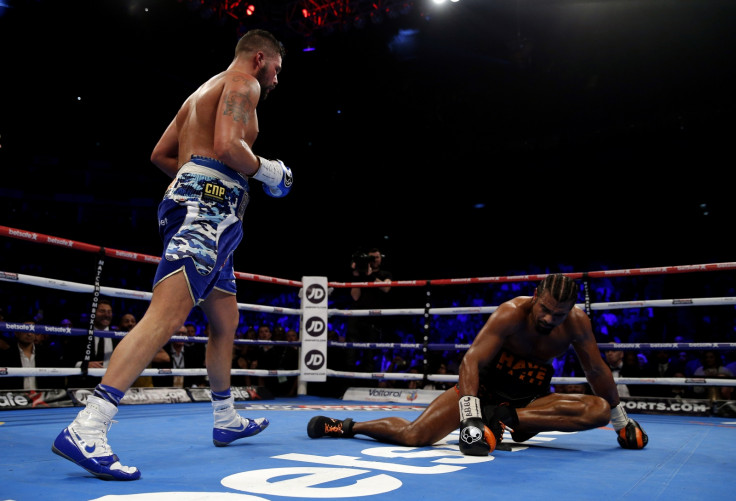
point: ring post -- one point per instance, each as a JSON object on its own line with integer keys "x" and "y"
{"x": 313, "y": 355}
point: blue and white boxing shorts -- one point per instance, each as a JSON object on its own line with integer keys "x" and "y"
{"x": 200, "y": 222}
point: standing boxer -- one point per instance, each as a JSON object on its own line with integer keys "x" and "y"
{"x": 207, "y": 150}
{"x": 504, "y": 381}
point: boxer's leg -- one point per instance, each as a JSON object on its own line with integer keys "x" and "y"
{"x": 440, "y": 418}
{"x": 561, "y": 412}
{"x": 221, "y": 309}
{"x": 84, "y": 441}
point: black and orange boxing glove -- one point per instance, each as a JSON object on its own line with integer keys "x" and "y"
{"x": 629, "y": 433}
{"x": 475, "y": 437}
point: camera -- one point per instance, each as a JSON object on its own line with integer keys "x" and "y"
{"x": 362, "y": 260}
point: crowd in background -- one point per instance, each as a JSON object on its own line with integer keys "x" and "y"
{"x": 631, "y": 325}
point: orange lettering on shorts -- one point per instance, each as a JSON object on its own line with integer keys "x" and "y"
{"x": 506, "y": 359}
{"x": 521, "y": 364}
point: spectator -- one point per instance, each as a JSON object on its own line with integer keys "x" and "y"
{"x": 712, "y": 368}
{"x": 180, "y": 356}
{"x": 442, "y": 385}
{"x": 64, "y": 344}
{"x": 244, "y": 356}
{"x": 615, "y": 361}
{"x": 267, "y": 357}
{"x": 199, "y": 347}
{"x": 441, "y": 369}
{"x": 278, "y": 333}
{"x": 288, "y": 385}
{"x": 731, "y": 361}
{"x": 24, "y": 352}
{"x": 102, "y": 347}
{"x": 367, "y": 267}
{"x": 579, "y": 388}
{"x": 680, "y": 392}
{"x": 417, "y": 384}
{"x": 634, "y": 368}
{"x": 127, "y": 322}
{"x": 662, "y": 364}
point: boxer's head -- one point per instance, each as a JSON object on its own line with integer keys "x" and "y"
{"x": 553, "y": 299}
{"x": 268, "y": 54}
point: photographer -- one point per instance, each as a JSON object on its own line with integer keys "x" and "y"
{"x": 366, "y": 267}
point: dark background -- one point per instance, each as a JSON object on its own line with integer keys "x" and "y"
{"x": 501, "y": 137}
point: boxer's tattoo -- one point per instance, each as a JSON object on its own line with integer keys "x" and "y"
{"x": 238, "y": 106}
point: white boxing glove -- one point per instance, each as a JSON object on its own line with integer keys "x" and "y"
{"x": 275, "y": 176}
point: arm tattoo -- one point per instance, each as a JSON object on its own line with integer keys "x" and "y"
{"x": 238, "y": 106}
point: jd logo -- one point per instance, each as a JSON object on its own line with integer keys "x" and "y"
{"x": 315, "y": 294}
{"x": 314, "y": 326}
{"x": 314, "y": 360}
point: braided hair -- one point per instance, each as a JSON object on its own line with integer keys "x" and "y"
{"x": 560, "y": 287}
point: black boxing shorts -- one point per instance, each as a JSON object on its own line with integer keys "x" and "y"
{"x": 513, "y": 379}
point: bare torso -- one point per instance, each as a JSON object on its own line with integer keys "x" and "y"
{"x": 514, "y": 326}
{"x": 197, "y": 120}
{"x": 524, "y": 339}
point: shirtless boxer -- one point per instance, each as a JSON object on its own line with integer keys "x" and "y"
{"x": 504, "y": 381}
{"x": 207, "y": 150}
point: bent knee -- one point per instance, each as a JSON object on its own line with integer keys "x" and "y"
{"x": 599, "y": 412}
{"x": 415, "y": 436}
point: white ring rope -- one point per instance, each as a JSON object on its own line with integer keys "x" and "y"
{"x": 395, "y": 376}
{"x": 453, "y": 378}
{"x": 71, "y": 331}
{"x": 76, "y": 371}
{"x": 656, "y": 303}
{"x": 51, "y": 283}
{"x": 130, "y": 294}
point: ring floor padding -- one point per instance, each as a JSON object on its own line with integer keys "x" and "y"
{"x": 687, "y": 458}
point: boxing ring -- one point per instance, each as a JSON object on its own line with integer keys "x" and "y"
{"x": 689, "y": 456}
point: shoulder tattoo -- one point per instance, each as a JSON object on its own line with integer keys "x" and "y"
{"x": 238, "y": 106}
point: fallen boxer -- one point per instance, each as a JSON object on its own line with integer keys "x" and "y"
{"x": 504, "y": 381}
